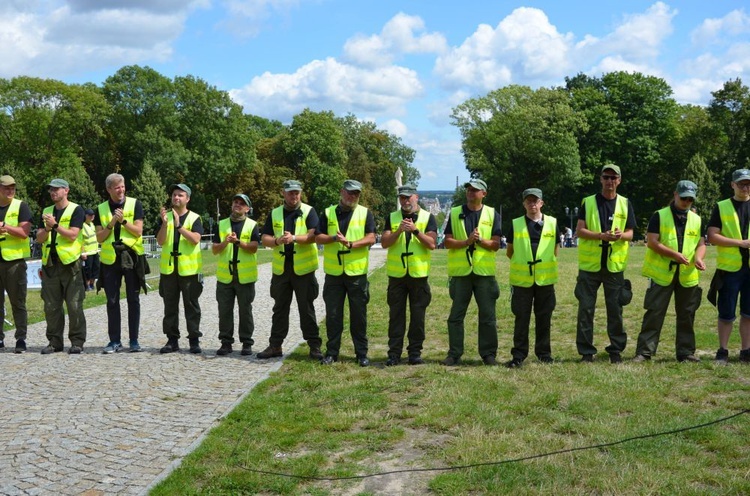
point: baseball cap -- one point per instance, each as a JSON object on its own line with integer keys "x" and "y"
{"x": 612, "y": 167}
{"x": 687, "y": 189}
{"x": 88, "y": 211}
{"x": 58, "y": 183}
{"x": 741, "y": 175}
{"x": 7, "y": 181}
{"x": 292, "y": 185}
{"x": 532, "y": 192}
{"x": 477, "y": 184}
{"x": 407, "y": 190}
{"x": 183, "y": 187}
{"x": 243, "y": 198}
{"x": 352, "y": 185}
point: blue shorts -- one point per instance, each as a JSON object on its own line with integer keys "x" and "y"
{"x": 735, "y": 284}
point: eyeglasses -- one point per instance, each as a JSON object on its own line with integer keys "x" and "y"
{"x": 610, "y": 178}
{"x": 689, "y": 200}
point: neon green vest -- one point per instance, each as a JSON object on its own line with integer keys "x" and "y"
{"x": 13, "y": 247}
{"x": 590, "y": 250}
{"x": 68, "y": 251}
{"x": 108, "y": 255}
{"x": 247, "y": 263}
{"x": 90, "y": 245}
{"x": 190, "y": 260}
{"x": 525, "y": 270}
{"x": 729, "y": 257}
{"x": 339, "y": 259}
{"x": 305, "y": 256}
{"x": 460, "y": 261}
{"x": 661, "y": 269}
{"x": 415, "y": 262}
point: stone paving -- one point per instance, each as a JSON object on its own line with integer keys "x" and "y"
{"x": 118, "y": 424}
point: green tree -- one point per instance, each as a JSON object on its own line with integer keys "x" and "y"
{"x": 730, "y": 112}
{"x": 149, "y": 189}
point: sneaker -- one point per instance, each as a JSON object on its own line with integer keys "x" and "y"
{"x": 20, "y": 346}
{"x": 49, "y": 349}
{"x": 615, "y": 358}
{"x": 722, "y": 356}
{"x": 225, "y": 349}
{"x": 450, "y": 361}
{"x": 689, "y": 358}
{"x": 315, "y": 353}
{"x": 75, "y": 350}
{"x": 270, "y": 352}
{"x": 195, "y": 346}
{"x": 363, "y": 361}
{"x": 247, "y": 349}
{"x": 514, "y": 364}
{"x": 546, "y": 359}
{"x": 745, "y": 356}
{"x": 170, "y": 347}
{"x": 415, "y": 360}
{"x": 489, "y": 360}
{"x": 588, "y": 358}
{"x": 112, "y": 348}
{"x": 329, "y": 360}
{"x": 641, "y": 358}
{"x": 392, "y": 361}
{"x": 135, "y": 347}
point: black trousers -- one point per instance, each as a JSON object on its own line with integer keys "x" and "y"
{"x": 417, "y": 292}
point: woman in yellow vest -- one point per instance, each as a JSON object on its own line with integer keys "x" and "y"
{"x": 532, "y": 250}
{"x": 675, "y": 255}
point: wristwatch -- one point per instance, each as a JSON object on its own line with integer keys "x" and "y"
{"x": 124, "y": 221}
{"x": 415, "y": 232}
{"x": 55, "y": 226}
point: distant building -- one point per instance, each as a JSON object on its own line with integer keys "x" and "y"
{"x": 431, "y": 204}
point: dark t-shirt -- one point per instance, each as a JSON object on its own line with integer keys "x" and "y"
{"x": 76, "y": 220}
{"x": 431, "y": 224}
{"x": 606, "y": 215}
{"x": 290, "y": 219}
{"x": 471, "y": 221}
{"x": 743, "y": 213}
{"x": 137, "y": 215}
{"x": 24, "y": 215}
{"x": 680, "y": 220}
{"x": 343, "y": 217}
{"x": 535, "y": 233}
{"x": 197, "y": 227}
{"x": 237, "y": 229}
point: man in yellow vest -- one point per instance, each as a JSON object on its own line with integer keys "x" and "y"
{"x": 532, "y": 249}
{"x": 410, "y": 235}
{"x": 15, "y": 225}
{"x": 605, "y": 229}
{"x": 236, "y": 242}
{"x": 119, "y": 229}
{"x": 346, "y": 231}
{"x": 90, "y": 254}
{"x": 62, "y": 279}
{"x": 728, "y": 230}
{"x": 674, "y": 258}
{"x": 472, "y": 237}
{"x": 179, "y": 234}
{"x": 290, "y": 231}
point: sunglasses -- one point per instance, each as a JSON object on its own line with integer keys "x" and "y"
{"x": 610, "y": 178}
{"x": 689, "y": 200}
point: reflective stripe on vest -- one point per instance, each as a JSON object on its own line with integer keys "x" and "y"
{"x": 247, "y": 263}
{"x": 461, "y": 261}
{"x": 339, "y": 259}
{"x": 415, "y": 262}
{"x": 90, "y": 245}
{"x": 108, "y": 254}
{"x": 189, "y": 261}
{"x": 661, "y": 269}
{"x": 729, "y": 257}
{"x": 305, "y": 256}
{"x": 13, "y": 247}
{"x": 525, "y": 270}
{"x": 67, "y": 251}
{"x": 590, "y": 250}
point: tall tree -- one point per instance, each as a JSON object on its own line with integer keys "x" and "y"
{"x": 149, "y": 189}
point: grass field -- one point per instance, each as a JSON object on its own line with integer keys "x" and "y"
{"x": 461, "y": 430}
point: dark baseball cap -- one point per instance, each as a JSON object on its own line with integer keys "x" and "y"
{"x": 292, "y": 185}
{"x": 741, "y": 175}
{"x": 88, "y": 211}
{"x": 476, "y": 184}
{"x": 352, "y": 185}
{"x": 407, "y": 190}
{"x": 181, "y": 186}
{"x": 58, "y": 183}
{"x": 532, "y": 192}
{"x": 687, "y": 189}
{"x": 244, "y": 198}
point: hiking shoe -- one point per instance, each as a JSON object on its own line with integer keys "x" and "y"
{"x": 247, "y": 349}
{"x": 170, "y": 347}
{"x": 20, "y": 346}
{"x": 722, "y": 356}
{"x": 329, "y": 360}
{"x": 270, "y": 352}
{"x": 363, "y": 361}
{"x": 225, "y": 349}
{"x": 112, "y": 348}
{"x": 75, "y": 350}
{"x": 546, "y": 359}
{"x": 49, "y": 349}
{"x": 2, "y": 344}
{"x": 514, "y": 364}
{"x": 689, "y": 358}
{"x": 392, "y": 361}
{"x": 415, "y": 360}
{"x": 450, "y": 361}
{"x": 745, "y": 356}
{"x": 588, "y": 358}
{"x": 615, "y": 358}
{"x": 195, "y": 346}
{"x": 135, "y": 347}
{"x": 641, "y": 358}
{"x": 315, "y": 353}
{"x": 489, "y": 360}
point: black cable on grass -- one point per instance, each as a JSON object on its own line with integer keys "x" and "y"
{"x": 501, "y": 462}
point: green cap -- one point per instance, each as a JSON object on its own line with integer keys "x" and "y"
{"x": 532, "y": 192}
{"x": 352, "y": 185}
{"x": 59, "y": 183}
{"x": 687, "y": 189}
{"x": 476, "y": 184}
{"x": 243, "y": 198}
{"x": 183, "y": 187}
{"x": 740, "y": 175}
{"x": 407, "y": 190}
{"x": 613, "y": 168}
{"x": 292, "y": 185}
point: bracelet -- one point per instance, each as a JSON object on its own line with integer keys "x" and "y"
{"x": 276, "y": 241}
{"x": 294, "y": 238}
{"x": 124, "y": 221}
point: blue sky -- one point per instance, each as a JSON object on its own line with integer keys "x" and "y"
{"x": 403, "y": 65}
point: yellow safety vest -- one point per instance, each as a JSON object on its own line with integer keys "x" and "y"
{"x": 525, "y": 270}
{"x": 305, "y": 256}
{"x": 90, "y": 245}
{"x": 108, "y": 255}
{"x": 67, "y": 251}
{"x": 590, "y": 250}
{"x": 460, "y": 261}
{"x": 729, "y": 257}
{"x": 339, "y": 259}
{"x": 190, "y": 260}
{"x": 415, "y": 262}
{"x": 247, "y": 263}
{"x": 13, "y": 247}
{"x": 660, "y": 268}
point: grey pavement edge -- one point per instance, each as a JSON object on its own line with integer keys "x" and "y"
{"x": 119, "y": 424}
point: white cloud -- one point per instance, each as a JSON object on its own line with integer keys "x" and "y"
{"x": 399, "y": 36}
{"x": 395, "y": 127}
{"x": 246, "y": 18}
{"x": 735, "y": 23}
{"x": 330, "y": 85}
